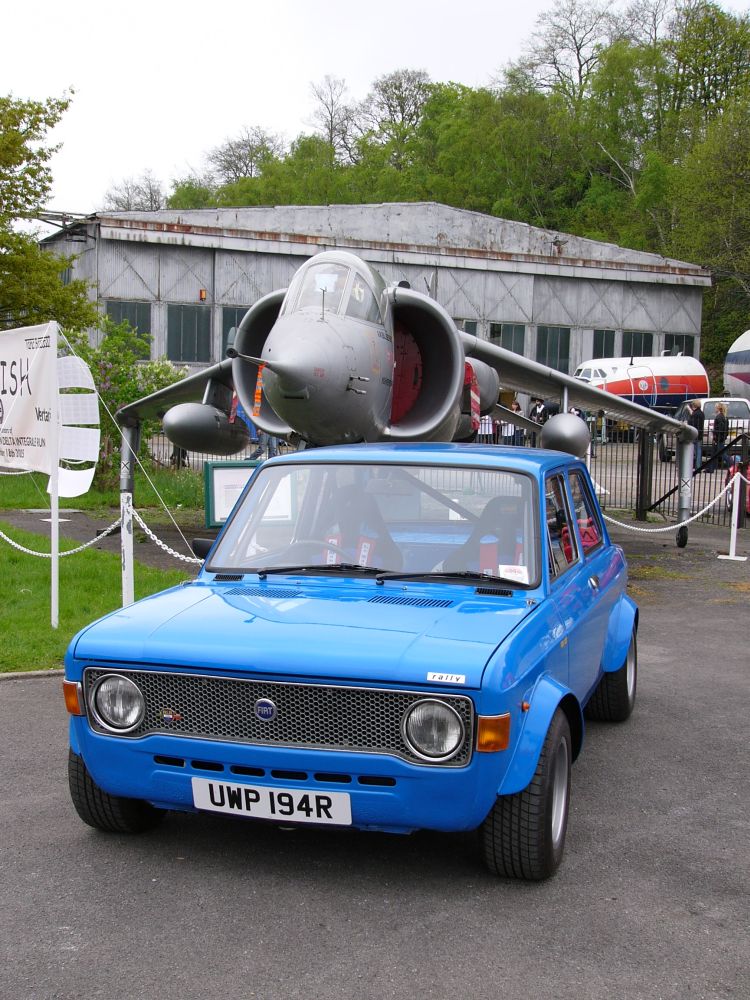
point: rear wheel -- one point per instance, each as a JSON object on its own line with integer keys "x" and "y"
{"x": 614, "y": 697}
{"x": 111, "y": 813}
{"x": 524, "y": 834}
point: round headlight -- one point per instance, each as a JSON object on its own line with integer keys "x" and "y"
{"x": 118, "y": 703}
{"x": 433, "y": 730}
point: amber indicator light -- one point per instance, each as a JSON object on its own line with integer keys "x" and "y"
{"x": 73, "y": 697}
{"x": 493, "y": 733}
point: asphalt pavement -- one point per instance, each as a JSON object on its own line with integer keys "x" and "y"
{"x": 652, "y": 901}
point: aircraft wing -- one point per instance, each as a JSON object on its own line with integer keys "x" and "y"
{"x": 524, "y": 375}
{"x": 188, "y": 390}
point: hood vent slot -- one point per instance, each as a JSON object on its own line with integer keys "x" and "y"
{"x": 227, "y": 577}
{"x": 495, "y": 591}
{"x": 258, "y": 591}
{"x": 412, "y": 602}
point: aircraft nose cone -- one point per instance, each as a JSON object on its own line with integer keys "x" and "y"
{"x": 297, "y": 354}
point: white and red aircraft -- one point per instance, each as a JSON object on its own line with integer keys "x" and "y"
{"x": 660, "y": 383}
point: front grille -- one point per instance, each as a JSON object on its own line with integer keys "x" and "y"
{"x": 315, "y": 716}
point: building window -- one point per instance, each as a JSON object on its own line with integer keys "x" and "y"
{"x": 511, "y": 336}
{"x": 637, "y": 345}
{"x": 604, "y": 343}
{"x": 553, "y": 347}
{"x": 679, "y": 343}
{"x": 231, "y": 317}
{"x": 189, "y": 333}
{"x": 137, "y": 314}
{"x": 467, "y": 325}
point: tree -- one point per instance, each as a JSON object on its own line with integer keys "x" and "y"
{"x": 136, "y": 194}
{"x": 122, "y": 373}
{"x": 333, "y": 117}
{"x": 567, "y": 45}
{"x": 192, "y": 192}
{"x": 391, "y": 113}
{"x": 31, "y": 290}
{"x": 245, "y": 155}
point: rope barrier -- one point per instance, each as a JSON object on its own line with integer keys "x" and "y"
{"x": 162, "y": 545}
{"x": 68, "y": 552}
{"x": 678, "y": 524}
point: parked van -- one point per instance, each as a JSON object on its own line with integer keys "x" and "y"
{"x": 738, "y": 415}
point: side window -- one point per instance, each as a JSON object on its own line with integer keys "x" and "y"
{"x": 563, "y": 545}
{"x": 362, "y": 303}
{"x": 586, "y": 513}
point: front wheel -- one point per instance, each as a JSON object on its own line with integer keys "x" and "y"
{"x": 524, "y": 834}
{"x": 111, "y": 813}
{"x": 614, "y": 696}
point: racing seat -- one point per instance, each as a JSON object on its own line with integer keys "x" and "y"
{"x": 361, "y": 531}
{"x": 496, "y": 539}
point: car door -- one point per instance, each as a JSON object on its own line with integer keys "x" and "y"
{"x": 579, "y": 574}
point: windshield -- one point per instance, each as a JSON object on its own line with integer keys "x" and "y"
{"x": 322, "y": 287}
{"x": 406, "y": 519}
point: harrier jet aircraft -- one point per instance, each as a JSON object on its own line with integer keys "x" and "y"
{"x": 342, "y": 356}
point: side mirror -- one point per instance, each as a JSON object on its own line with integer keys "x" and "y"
{"x": 202, "y": 546}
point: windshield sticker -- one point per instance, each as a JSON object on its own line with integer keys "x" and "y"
{"x": 519, "y": 574}
{"x": 447, "y": 678}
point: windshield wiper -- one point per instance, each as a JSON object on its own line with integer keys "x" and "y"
{"x": 321, "y": 567}
{"x": 442, "y": 574}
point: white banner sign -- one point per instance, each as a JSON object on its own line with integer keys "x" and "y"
{"x": 28, "y": 398}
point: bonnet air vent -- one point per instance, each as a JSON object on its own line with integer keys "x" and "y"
{"x": 413, "y": 602}
{"x": 495, "y": 591}
{"x": 257, "y": 591}
{"x": 227, "y": 577}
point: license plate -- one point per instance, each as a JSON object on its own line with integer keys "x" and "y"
{"x": 291, "y": 805}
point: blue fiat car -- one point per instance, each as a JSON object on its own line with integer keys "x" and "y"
{"x": 384, "y": 637}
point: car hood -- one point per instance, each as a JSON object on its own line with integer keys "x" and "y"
{"x": 361, "y": 631}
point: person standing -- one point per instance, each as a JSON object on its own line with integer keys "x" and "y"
{"x": 265, "y": 443}
{"x": 518, "y": 432}
{"x": 538, "y": 414}
{"x": 697, "y": 420}
{"x": 719, "y": 437}
{"x": 486, "y": 429}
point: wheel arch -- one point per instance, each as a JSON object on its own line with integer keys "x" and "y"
{"x": 548, "y": 695}
{"x": 621, "y": 627}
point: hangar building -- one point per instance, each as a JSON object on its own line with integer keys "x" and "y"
{"x": 188, "y": 277}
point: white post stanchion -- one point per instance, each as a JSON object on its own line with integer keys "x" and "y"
{"x": 126, "y": 548}
{"x": 735, "y": 522}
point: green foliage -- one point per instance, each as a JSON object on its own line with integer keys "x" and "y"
{"x": 122, "y": 373}
{"x": 31, "y": 289}
{"x": 24, "y": 161}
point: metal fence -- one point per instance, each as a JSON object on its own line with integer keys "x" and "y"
{"x": 632, "y": 470}
{"x": 638, "y": 471}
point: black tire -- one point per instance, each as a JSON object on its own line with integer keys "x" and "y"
{"x": 613, "y": 699}
{"x": 524, "y": 834}
{"x": 99, "y": 809}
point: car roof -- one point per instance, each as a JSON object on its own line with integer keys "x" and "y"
{"x": 532, "y": 461}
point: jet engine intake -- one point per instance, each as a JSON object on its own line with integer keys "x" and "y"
{"x": 428, "y": 369}
{"x": 252, "y": 334}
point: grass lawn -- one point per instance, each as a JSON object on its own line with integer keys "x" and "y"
{"x": 182, "y": 490}
{"x": 90, "y": 586}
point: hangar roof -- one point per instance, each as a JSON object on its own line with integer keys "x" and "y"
{"x": 397, "y": 230}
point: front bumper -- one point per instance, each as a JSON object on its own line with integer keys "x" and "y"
{"x": 386, "y": 793}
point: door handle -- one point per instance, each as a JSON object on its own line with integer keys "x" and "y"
{"x": 594, "y": 582}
